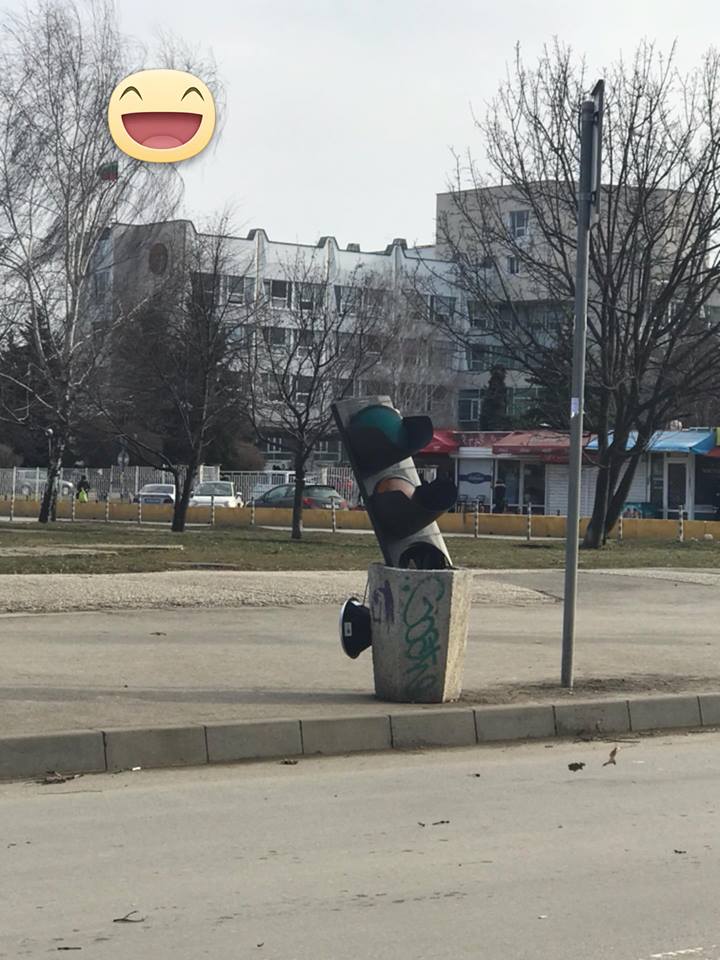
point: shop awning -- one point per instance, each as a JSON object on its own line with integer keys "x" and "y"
{"x": 674, "y": 441}
{"x": 543, "y": 444}
{"x": 443, "y": 441}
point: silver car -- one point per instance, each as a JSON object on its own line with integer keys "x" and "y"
{"x": 156, "y": 493}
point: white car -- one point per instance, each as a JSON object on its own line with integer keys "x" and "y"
{"x": 223, "y": 492}
{"x": 156, "y": 493}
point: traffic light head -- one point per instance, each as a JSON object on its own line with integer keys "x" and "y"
{"x": 380, "y": 444}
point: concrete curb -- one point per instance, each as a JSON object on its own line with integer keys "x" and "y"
{"x": 111, "y": 750}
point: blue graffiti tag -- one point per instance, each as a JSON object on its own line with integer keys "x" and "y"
{"x": 421, "y": 635}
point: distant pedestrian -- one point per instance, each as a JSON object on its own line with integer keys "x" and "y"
{"x": 500, "y": 497}
{"x": 83, "y": 489}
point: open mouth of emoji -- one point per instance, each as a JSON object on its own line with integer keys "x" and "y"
{"x": 162, "y": 131}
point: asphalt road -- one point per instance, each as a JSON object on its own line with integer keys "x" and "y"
{"x": 478, "y": 853}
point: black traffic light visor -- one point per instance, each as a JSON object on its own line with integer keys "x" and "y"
{"x": 381, "y": 437}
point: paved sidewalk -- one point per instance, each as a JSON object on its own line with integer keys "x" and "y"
{"x": 637, "y": 632}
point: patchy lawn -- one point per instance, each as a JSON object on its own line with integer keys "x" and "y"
{"x": 30, "y": 548}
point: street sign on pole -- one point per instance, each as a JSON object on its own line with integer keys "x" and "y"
{"x": 587, "y": 212}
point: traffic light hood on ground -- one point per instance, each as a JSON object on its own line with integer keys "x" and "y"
{"x": 380, "y": 443}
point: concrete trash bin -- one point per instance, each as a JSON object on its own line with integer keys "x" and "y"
{"x": 419, "y": 632}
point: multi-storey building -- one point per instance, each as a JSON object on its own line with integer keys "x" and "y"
{"x": 423, "y": 369}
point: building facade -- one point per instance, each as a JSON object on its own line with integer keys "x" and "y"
{"x": 422, "y": 368}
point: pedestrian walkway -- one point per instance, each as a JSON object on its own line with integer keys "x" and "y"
{"x": 130, "y": 667}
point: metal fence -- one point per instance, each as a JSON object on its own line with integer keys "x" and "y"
{"x": 252, "y": 484}
{"x": 106, "y": 483}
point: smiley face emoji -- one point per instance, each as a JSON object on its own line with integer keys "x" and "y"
{"x": 162, "y": 116}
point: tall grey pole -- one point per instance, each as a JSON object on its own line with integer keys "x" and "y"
{"x": 590, "y": 120}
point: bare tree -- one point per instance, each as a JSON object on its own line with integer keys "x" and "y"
{"x": 171, "y": 400}
{"x": 509, "y": 228}
{"x": 60, "y": 188}
{"x": 310, "y": 344}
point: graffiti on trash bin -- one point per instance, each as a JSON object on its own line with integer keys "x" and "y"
{"x": 419, "y": 617}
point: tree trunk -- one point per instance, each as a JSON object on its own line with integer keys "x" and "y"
{"x": 593, "y": 538}
{"x": 297, "y": 522}
{"x": 48, "y": 505}
{"x": 619, "y": 496}
{"x": 182, "y": 497}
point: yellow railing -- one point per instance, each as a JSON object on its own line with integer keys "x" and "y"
{"x": 487, "y": 524}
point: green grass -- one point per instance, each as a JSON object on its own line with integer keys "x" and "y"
{"x": 259, "y": 549}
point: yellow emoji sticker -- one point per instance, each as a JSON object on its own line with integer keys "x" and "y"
{"x": 162, "y": 116}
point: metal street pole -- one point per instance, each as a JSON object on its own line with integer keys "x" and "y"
{"x": 588, "y": 206}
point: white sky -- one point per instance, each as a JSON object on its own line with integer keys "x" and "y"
{"x": 341, "y": 114}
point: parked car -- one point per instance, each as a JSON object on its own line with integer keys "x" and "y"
{"x": 316, "y": 496}
{"x": 156, "y": 493}
{"x": 28, "y": 480}
{"x": 222, "y": 490}
{"x": 276, "y": 479}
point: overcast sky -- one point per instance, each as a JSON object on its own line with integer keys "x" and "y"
{"x": 341, "y": 114}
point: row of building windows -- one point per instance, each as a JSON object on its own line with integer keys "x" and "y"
{"x": 518, "y": 401}
{"x": 412, "y": 354}
{"x": 422, "y": 397}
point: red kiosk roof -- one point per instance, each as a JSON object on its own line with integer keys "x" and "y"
{"x": 443, "y": 441}
{"x": 546, "y": 444}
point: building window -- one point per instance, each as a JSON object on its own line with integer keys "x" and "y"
{"x": 308, "y": 296}
{"x": 102, "y": 283}
{"x": 370, "y": 345}
{"x": 443, "y": 308}
{"x": 478, "y": 358}
{"x": 513, "y": 265}
{"x": 272, "y": 391}
{"x": 309, "y": 342}
{"x": 275, "y": 445}
{"x": 274, "y": 336}
{"x": 158, "y": 258}
{"x": 468, "y": 407}
{"x": 521, "y": 400}
{"x": 347, "y": 299}
{"x": 417, "y": 305}
{"x": 485, "y": 356}
{"x": 375, "y": 299}
{"x": 519, "y": 223}
{"x": 239, "y": 290}
{"x": 375, "y": 388}
{"x": 303, "y": 386}
{"x": 478, "y": 316}
{"x": 278, "y": 292}
{"x": 552, "y": 323}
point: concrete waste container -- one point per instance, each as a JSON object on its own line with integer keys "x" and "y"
{"x": 419, "y": 621}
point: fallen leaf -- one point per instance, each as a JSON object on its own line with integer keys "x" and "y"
{"x": 128, "y": 918}
{"x": 421, "y": 824}
{"x": 679, "y": 851}
{"x": 52, "y": 776}
{"x": 576, "y": 766}
{"x": 158, "y": 633}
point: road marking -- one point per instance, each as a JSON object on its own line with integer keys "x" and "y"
{"x": 688, "y": 951}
